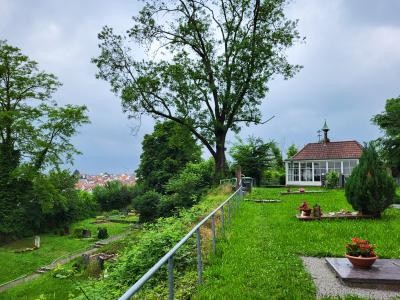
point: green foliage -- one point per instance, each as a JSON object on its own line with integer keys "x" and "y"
{"x": 155, "y": 240}
{"x": 255, "y": 157}
{"x": 113, "y": 195}
{"x": 370, "y": 189}
{"x": 78, "y": 232}
{"x": 332, "y": 179}
{"x": 186, "y": 189}
{"x": 35, "y": 128}
{"x": 147, "y": 205}
{"x": 274, "y": 177}
{"x": 85, "y": 206}
{"x": 291, "y": 151}
{"x": 102, "y": 233}
{"x": 165, "y": 153}
{"x": 389, "y": 122}
{"x": 62, "y": 272}
{"x": 218, "y": 62}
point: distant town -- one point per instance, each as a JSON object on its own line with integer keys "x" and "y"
{"x": 88, "y": 182}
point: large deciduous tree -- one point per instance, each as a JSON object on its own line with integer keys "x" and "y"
{"x": 389, "y": 122}
{"x": 211, "y": 69}
{"x": 34, "y": 132}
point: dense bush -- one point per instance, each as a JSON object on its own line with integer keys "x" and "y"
{"x": 113, "y": 195}
{"x": 332, "y": 179}
{"x": 85, "y": 206}
{"x": 102, "y": 233}
{"x": 147, "y": 205}
{"x": 165, "y": 153}
{"x": 187, "y": 187}
{"x": 370, "y": 189}
{"x": 273, "y": 177}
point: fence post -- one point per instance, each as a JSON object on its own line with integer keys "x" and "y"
{"x": 229, "y": 212}
{"x": 213, "y": 233}
{"x": 222, "y": 220}
{"x": 171, "y": 278}
{"x": 199, "y": 260}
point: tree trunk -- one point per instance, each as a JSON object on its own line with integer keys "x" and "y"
{"x": 219, "y": 158}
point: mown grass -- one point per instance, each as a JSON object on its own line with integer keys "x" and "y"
{"x": 52, "y": 288}
{"x": 52, "y": 247}
{"x": 261, "y": 257}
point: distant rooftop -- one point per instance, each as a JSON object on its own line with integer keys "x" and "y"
{"x": 330, "y": 150}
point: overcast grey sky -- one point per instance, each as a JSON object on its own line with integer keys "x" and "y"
{"x": 351, "y": 61}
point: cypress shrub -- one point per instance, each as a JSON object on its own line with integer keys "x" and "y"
{"x": 370, "y": 189}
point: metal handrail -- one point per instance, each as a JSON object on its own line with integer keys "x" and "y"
{"x": 169, "y": 256}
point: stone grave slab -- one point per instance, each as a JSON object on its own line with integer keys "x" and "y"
{"x": 384, "y": 272}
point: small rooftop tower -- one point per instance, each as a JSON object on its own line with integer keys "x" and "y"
{"x": 325, "y": 129}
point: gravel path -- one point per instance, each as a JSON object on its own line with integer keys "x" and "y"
{"x": 328, "y": 285}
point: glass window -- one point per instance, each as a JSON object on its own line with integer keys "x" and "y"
{"x": 306, "y": 171}
{"x": 335, "y": 166}
{"x": 293, "y": 172}
{"x": 319, "y": 169}
{"x": 348, "y": 166}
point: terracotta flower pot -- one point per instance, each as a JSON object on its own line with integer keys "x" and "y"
{"x": 361, "y": 262}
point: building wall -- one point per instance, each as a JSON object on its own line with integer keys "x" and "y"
{"x": 309, "y": 172}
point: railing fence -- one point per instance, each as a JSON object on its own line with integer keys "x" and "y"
{"x": 234, "y": 201}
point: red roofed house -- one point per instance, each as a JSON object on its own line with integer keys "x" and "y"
{"x": 317, "y": 159}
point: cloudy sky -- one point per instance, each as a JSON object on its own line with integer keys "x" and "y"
{"x": 351, "y": 61}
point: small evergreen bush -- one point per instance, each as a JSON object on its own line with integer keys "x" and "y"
{"x": 102, "y": 233}
{"x": 332, "y": 180}
{"x": 370, "y": 189}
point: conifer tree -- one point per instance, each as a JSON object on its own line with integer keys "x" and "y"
{"x": 370, "y": 189}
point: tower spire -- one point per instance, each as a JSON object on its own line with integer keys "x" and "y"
{"x": 325, "y": 129}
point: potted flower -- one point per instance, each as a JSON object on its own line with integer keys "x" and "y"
{"x": 302, "y": 190}
{"x": 360, "y": 253}
{"x": 305, "y": 210}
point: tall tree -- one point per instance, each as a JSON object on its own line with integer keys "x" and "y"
{"x": 291, "y": 151}
{"x": 217, "y": 58}
{"x": 166, "y": 152}
{"x": 34, "y": 132}
{"x": 389, "y": 122}
{"x": 255, "y": 156}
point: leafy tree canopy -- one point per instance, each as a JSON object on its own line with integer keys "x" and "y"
{"x": 291, "y": 151}
{"x": 31, "y": 122}
{"x": 166, "y": 151}
{"x": 256, "y": 157}
{"x": 212, "y": 67}
{"x": 34, "y": 135}
{"x": 389, "y": 122}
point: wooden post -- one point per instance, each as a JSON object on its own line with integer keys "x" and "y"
{"x": 238, "y": 173}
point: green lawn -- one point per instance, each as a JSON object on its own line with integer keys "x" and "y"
{"x": 56, "y": 288}
{"x": 260, "y": 258}
{"x": 52, "y": 247}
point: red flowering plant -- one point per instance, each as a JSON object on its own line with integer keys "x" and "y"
{"x": 359, "y": 247}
